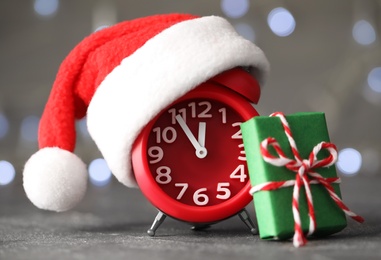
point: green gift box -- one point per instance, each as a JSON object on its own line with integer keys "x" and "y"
{"x": 274, "y": 208}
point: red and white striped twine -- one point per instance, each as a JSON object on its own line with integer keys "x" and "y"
{"x": 305, "y": 175}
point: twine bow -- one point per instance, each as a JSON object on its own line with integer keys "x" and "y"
{"x": 305, "y": 175}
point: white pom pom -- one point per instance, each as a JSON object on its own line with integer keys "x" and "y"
{"x": 55, "y": 179}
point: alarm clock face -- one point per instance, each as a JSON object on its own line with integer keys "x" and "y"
{"x": 190, "y": 160}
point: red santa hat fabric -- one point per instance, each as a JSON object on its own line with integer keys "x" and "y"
{"x": 121, "y": 77}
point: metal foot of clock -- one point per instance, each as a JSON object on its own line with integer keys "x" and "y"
{"x": 243, "y": 215}
{"x": 160, "y": 217}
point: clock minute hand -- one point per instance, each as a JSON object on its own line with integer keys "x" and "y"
{"x": 200, "y": 151}
{"x": 201, "y": 133}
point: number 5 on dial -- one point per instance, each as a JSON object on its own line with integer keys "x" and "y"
{"x": 224, "y": 192}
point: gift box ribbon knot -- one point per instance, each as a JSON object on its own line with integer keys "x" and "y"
{"x": 305, "y": 175}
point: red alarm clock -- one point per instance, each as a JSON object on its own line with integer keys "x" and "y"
{"x": 189, "y": 161}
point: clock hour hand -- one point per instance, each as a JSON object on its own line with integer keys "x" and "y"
{"x": 200, "y": 150}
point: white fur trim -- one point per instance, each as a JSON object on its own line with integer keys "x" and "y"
{"x": 165, "y": 68}
{"x": 55, "y": 179}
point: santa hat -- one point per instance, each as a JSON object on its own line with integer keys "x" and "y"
{"x": 122, "y": 77}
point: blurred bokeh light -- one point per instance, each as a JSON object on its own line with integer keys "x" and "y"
{"x": 374, "y": 79}
{"x": 7, "y": 173}
{"x": 364, "y": 33}
{"x": 4, "y": 126}
{"x": 235, "y": 8}
{"x": 46, "y": 8}
{"x": 281, "y": 21}
{"x": 29, "y": 128}
{"x": 349, "y": 161}
{"x": 100, "y": 174}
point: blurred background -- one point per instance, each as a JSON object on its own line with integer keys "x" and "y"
{"x": 325, "y": 56}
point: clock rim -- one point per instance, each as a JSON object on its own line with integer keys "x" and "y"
{"x": 170, "y": 206}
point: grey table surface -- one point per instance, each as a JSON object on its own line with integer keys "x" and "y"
{"x": 112, "y": 221}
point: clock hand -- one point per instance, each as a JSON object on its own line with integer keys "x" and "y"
{"x": 201, "y": 133}
{"x": 200, "y": 151}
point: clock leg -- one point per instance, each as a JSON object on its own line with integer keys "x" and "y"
{"x": 159, "y": 219}
{"x": 245, "y": 217}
